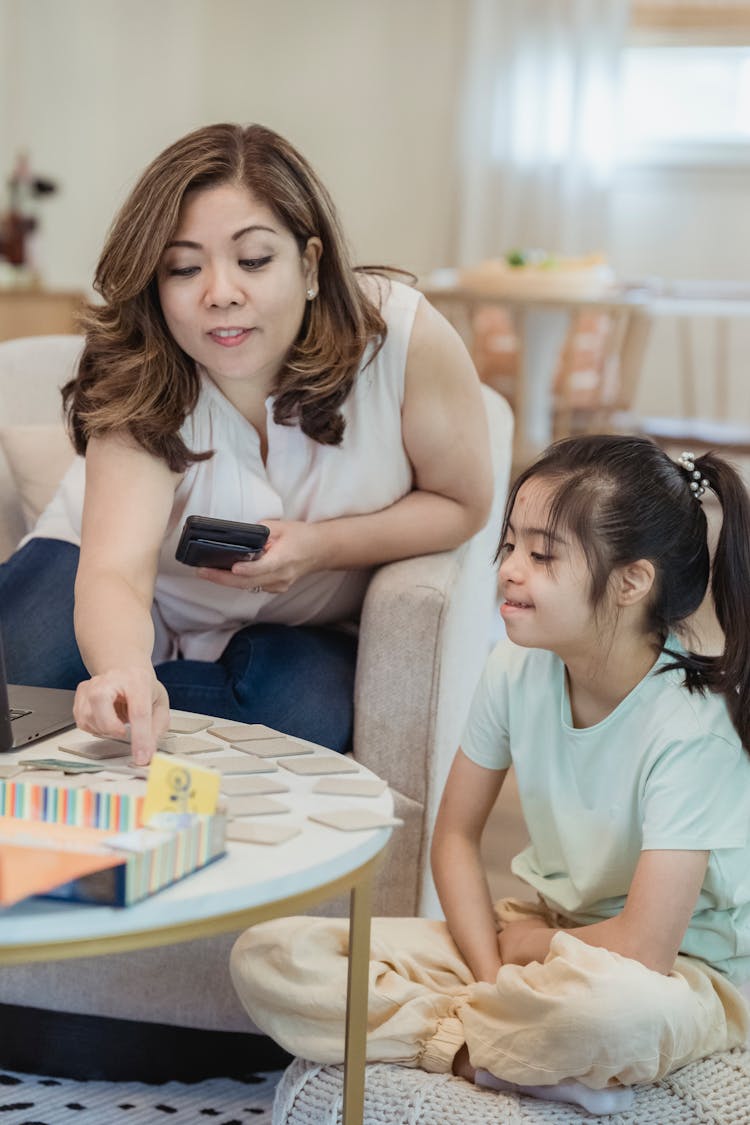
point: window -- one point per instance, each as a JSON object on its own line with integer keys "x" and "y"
{"x": 686, "y": 104}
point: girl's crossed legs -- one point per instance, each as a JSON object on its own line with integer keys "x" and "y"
{"x": 298, "y": 680}
{"x": 585, "y": 1014}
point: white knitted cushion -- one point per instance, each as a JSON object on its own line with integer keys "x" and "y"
{"x": 714, "y": 1091}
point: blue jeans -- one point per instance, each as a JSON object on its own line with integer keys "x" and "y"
{"x": 297, "y": 679}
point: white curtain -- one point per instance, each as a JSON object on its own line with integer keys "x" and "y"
{"x": 538, "y": 128}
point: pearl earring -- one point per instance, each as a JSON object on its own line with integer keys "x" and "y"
{"x": 311, "y": 294}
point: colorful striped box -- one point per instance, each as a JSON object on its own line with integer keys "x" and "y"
{"x": 61, "y": 804}
{"x": 161, "y": 857}
{"x": 82, "y": 864}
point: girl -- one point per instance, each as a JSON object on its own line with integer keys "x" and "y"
{"x": 240, "y": 368}
{"x": 631, "y": 754}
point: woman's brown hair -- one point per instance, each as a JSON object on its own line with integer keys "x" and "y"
{"x": 133, "y": 377}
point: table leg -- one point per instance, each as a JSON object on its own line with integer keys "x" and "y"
{"x": 356, "y": 1002}
{"x": 543, "y": 333}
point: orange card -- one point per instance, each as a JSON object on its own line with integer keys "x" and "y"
{"x": 36, "y": 856}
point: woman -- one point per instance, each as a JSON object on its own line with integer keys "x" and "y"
{"x": 240, "y": 368}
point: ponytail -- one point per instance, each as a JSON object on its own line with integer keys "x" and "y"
{"x": 729, "y": 673}
{"x": 730, "y": 588}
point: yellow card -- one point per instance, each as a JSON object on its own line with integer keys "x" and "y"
{"x": 178, "y": 786}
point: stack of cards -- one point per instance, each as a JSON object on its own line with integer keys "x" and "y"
{"x": 273, "y": 747}
{"x": 188, "y": 724}
{"x": 98, "y": 749}
{"x": 189, "y": 744}
{"x": 317, "y": 764}
{"x": 239, "y": 786}
{"x": 240, "y": 764}
{"x": 247, "y": 732}
{"x": 248, "y": 832}
{"x": 355, "y": 820}
{"x": 253, "y": 805}
{"x": 351, "y": 786}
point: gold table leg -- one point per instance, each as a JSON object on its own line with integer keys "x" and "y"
{"x": 360, "y": 912}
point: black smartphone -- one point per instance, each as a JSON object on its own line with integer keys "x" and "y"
{"x": 219, "y": 543}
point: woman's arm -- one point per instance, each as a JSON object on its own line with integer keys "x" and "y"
{"x": 469, "y": 795}
{"x": 129, "y": 496}
{"x": 651, "y": 926}
{"x": 445, "y": 434}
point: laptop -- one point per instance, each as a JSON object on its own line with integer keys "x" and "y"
{"x": 30, "y": 713}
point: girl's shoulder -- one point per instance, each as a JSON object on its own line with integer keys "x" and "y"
{"x": 699, "y": 714}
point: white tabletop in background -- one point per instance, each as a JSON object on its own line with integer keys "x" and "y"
{"x": 249, "y": 875}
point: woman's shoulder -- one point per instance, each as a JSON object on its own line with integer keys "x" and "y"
{"x": 388, "y": 294}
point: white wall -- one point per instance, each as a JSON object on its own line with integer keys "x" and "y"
{"x": 365, "y": 88}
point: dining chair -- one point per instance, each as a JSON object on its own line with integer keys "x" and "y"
{"x": 711, "y": 325}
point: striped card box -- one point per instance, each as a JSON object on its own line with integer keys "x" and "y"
{"x": 61, "y": 804}
{"x": 81, "y": 864}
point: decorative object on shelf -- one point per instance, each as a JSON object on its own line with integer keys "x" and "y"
{"x": 19, "y": 222}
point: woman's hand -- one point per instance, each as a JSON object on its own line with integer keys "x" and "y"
{"x": 105, "y": 703}
{"x": 294, "y": 549}
{"x": 522, "y": 941}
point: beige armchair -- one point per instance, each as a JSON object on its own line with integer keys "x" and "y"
{"x": 425, "y": 632}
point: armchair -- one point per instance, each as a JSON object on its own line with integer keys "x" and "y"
{"x": 425, "y": 631}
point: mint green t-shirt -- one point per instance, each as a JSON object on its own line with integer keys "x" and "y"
{"x": 664, "y": 770}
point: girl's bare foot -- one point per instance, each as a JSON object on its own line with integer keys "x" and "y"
{"x": 461, "y": 1065}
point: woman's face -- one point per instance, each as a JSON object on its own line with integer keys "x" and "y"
{"x": 233, "y": 285}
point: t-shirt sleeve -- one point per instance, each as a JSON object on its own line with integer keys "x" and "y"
{"x": 486, "y": 738}
{"x": 697, "y": 797}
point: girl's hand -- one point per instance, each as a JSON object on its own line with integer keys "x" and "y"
{"x": 294, "y": 549}
{"x": 105, "y": 703}
{"x": 520, "y": 942}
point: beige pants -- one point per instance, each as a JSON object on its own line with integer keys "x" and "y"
{"x": 584, "y": 1013}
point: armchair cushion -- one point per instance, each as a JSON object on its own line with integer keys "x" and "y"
{"x": 32, "y": 370}
{"x": 37, "y": 457}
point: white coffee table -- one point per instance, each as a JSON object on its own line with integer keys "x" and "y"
{"x": 252, "y": 883}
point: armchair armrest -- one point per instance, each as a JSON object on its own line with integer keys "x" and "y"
{"x": 425, "y": 633}
{"x": 424, "y": 637}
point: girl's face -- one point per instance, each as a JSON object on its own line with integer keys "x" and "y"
{"x": 547, "y": 595}
{"x": 232, "y": 285}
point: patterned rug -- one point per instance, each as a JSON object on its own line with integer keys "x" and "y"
{"x": 29, "y": 1099}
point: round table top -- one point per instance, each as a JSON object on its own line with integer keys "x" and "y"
{"x": 249, "y": 876}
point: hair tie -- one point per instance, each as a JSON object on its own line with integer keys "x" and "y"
{"x": 698, "y": 483}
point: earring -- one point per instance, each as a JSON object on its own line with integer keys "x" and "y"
{"x": 311, "y": 294}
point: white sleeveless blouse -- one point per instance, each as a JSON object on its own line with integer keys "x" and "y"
{"x": 301, "y": 480}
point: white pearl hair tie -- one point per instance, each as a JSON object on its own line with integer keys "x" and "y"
{"x": 698, "y": 483}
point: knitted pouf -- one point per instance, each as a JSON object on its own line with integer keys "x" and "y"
{"x": 714, "y": 1091}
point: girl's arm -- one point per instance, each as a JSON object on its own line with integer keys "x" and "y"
{"x": 469, "y": 795}
{"x": 129, "y": 496}
{"x": 652, "y": 925}
{"x": 445, "y": 434}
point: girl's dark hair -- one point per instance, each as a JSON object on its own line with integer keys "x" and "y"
{"x": 133, "y": 377}
{"x": 624, "y": 499}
